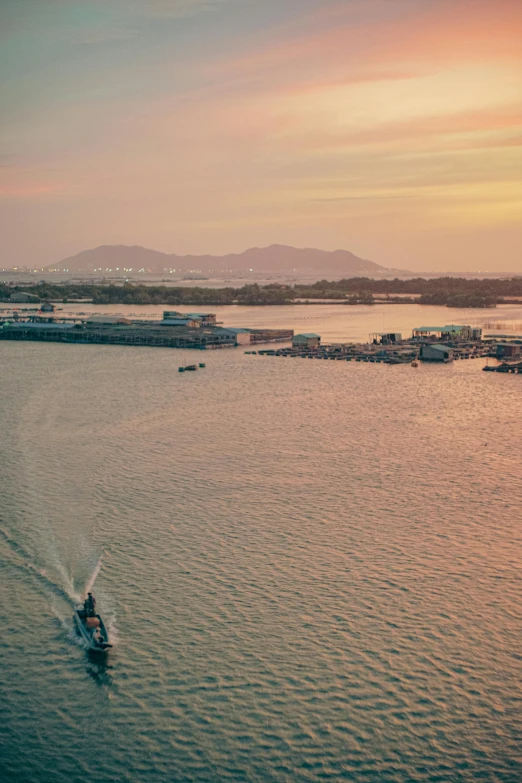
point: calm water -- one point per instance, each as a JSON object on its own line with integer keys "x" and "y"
{"x": 311, "y": 570}
{"x": 335, "y": 322}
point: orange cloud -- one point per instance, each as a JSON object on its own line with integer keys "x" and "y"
{"x": 478, "y": 122}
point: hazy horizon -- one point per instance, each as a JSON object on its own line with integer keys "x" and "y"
{"x": 261, "y": 269}
{"x": 392, "y": 130}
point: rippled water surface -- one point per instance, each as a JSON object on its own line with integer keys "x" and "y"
{"x": 311, "y": 570}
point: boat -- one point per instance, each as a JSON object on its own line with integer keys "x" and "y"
{"x": 87, "y": 628}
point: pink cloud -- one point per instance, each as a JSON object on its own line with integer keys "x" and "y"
{"x": 445, "y": 35}
{"x": 26, "y": 191}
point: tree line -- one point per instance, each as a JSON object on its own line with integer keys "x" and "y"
{"x": 450, "y": 291}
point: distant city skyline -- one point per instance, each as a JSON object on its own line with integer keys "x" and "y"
{"x": 389, "y": 129}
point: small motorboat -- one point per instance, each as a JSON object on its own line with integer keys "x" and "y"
{"x": 92, "y": 629}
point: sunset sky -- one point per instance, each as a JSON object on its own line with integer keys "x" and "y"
{"x": 391, "y": 128}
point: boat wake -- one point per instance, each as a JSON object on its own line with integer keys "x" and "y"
{"x": 13, "y": 545}
{"x": 92, "y": 579}
{"x": 112, "y": 630}
{"x": 64, "y": 585}
{"x": 22, "y": 562}
{"x": 56, "y": 581}
{"x": 64, "y": 618}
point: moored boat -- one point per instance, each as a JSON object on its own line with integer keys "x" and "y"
{"x": 91, "y": 628}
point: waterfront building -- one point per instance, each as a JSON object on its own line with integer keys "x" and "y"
{"x": 385, "y": 338}
{"x": 456, "y": 332}
{"x": 449, "y": 332}
{"x": 307, "y": 340}
{"x": 435, "y": 353}
{"x": 190, "y": 323}
{"x": 206, "y": 319}
{"x": 243, "y": 336}
{"x": 508, "y": 350}
{"x": 23, "y": 296}
{"x": 182, "y": 332}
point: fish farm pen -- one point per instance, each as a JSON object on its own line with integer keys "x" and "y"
{"x": 137, "y": 334}
{"x": 408, "y": 351}
{"x": 364, "y": 353}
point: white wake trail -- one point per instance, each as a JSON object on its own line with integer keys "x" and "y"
{"x": 92, "y": 579}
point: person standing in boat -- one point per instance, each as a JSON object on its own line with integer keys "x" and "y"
{"x": 90, "y": 605}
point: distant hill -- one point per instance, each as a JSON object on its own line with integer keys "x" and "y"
{"x": 275, "y": 258}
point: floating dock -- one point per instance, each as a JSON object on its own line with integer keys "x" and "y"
{"x": 408, "y": 352}
{"x": 509, "y": 367}
{"x": 441, "y": 344}
{"x": 135, "y": 333}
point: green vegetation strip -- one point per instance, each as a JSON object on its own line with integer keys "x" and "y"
{"x": 450, "y": 291}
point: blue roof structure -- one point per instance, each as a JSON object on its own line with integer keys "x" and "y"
{"x": 176, "y": 321}
{"x": 38, "y": 325}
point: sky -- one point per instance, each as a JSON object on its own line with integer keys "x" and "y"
{"x": 391, "y": 128}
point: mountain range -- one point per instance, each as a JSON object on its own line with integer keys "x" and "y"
{"x": 275, "y": 258}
